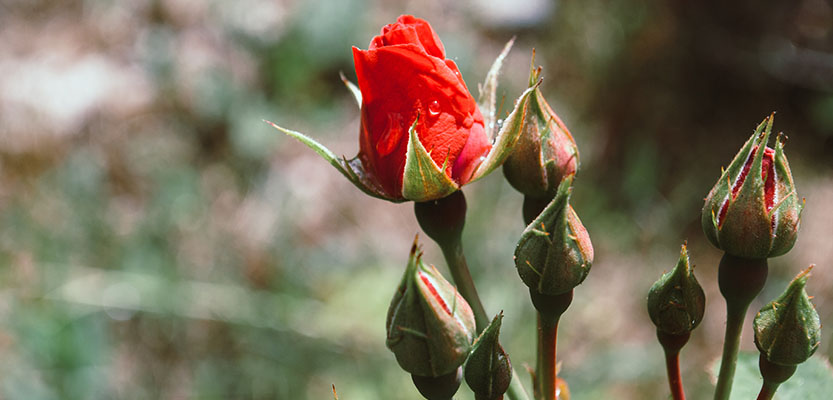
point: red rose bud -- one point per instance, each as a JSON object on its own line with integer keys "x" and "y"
{"x": 554, "y": 254}
{"x": 488, "y": 370}
{"x": 430, "y": 327}
{"x": 676, "y": 302}
{"x": 753, "y": 210}
{"x": 422, "y": 134}
{"x": 788, "y": 330}
{"x": 546, "y": 151}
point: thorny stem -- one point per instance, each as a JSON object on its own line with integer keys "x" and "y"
{"x": 740, "y": 280}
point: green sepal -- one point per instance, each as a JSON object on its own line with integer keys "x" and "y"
{"x": 488, "y": 91}
{"x": 508, "y": 135}
{"x": 357, "y": 94}
{"x": 488, "y": 370}
{"x": 554, "y": 254}
{"x": 422, "y": 179}
{"x": 788, "y": 329}
{"x": 746, "y": 229}
{"x": 352, "y": 169}
{"x": 676, "y": 302}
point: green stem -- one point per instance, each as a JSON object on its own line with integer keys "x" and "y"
{"x": 740, "y": 280}
{"x": 457, "y": 265}
{"x": 443, "y": 221}
{"x": 459, "y": 269}
{"x": 550, "y": 308}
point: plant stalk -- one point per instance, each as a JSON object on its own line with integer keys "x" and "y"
{"x": 740, "y": 280}
{"x": 672, "y": 344}
{"x": 768, "y": 390}
{"x": 547, "y": 373}
{"x": 456, "y": 259}
{"x": 774, "y": 375}
{"x": 550, "y": 308}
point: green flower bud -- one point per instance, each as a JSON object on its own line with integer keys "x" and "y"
{"x": 554, "y": 254}
{"x": 545, "y": 152}
{"x": 753, "y": 210}
{"x": 430, "y": 327}
{"x": 788, "y": 330}
{"x": 488, "y": 370}
{"x": 676, "y": 301}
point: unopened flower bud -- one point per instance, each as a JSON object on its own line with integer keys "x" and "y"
{"x": 788, "y": 330}
{"x": 676, "y": 301}
{"x": 545, "y": 152}
{"x": 430, "y": 327}
{"x": 753, "y": 210}
{"x": 488, "y": 370}
{"x": 555, "y": 254}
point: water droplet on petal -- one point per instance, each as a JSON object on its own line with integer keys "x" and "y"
{"x": 434, "y": 108}
{"x": 467, "y": 123}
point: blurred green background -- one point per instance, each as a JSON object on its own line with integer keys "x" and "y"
{"x": 158, "y": 240}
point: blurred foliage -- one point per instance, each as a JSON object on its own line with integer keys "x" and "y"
{"x": 810, "y": 381}
{"x": 157, "y": 240}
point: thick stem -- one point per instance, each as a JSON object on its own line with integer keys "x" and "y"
{"x": 550, "y": 308}
{"x": 740, "y": 280}
{"x": 672, "y": 344}
{"x": 443, "y": 221}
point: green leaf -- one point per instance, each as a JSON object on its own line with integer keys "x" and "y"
{"x": 357, "y": 94}
{"x": 423, "y": 180}
{"x": 812, "y": 380}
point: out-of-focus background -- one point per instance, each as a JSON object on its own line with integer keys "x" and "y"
{"x": 158, "y": 240}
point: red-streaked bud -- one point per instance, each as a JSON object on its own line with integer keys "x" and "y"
{"x": 546, "y": 152}
{"x": 788, "y": 329}
{"x": 430, "y": 327}
{"x": 555, "y": 254}
{"x": 753, "y": 211}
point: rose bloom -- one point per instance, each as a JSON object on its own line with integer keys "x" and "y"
{"x": 404, "y": 75}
